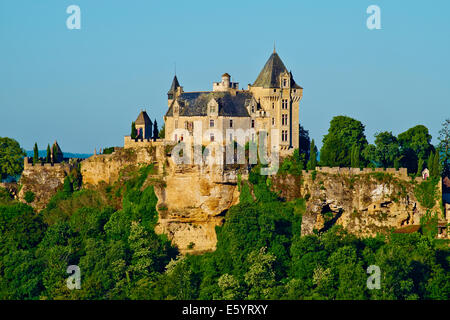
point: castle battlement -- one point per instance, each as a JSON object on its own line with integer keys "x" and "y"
{"x": 400, "y": 173}
{"x": 28, "y": 164}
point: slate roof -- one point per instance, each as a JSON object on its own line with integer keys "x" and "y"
{"x": 270, "y": 73}
{"x": 143, "y": 119}
{"x": 196, "y": 103}
{"x": 174, "y": 86}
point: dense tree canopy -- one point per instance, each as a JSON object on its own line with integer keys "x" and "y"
{"x": 11, "y": 158}
{"x": 109, "y": 233}
{"x": 415, "y": 145}
{"x": 343, "y": 134}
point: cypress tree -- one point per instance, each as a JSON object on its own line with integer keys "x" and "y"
{"x": 36, "y": 154}
{"x": 155, "y": 130}
{"x": 48, "y": 158}
{"x": 436, "y": 164}
{"x": 312, "y": 163}
{"x": 430, "y": 163}
{"x": 133, "y": 130}
{"x": 55, "y": 153}
{"x": 356, "y": 157}
{"x": 419, "y": 167}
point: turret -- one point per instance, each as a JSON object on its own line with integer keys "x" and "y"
{"x": 174, "y": 91}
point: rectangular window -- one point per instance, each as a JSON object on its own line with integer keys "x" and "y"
{"x": 211, "y": 123}
{"x": 211, "y": 137}
{"x": 212, "y": 109}
{"x": 273, "y": 121}
{"x": 284, "y": 104}
{"x": 284, "y": 119}
{"x": 273, "y": 105}
{"x": 231, "y": 123}
{"x": 253, "y": 123}
{"x": 284, "y": 135}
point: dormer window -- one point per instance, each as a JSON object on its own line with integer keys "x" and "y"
{"x": 212, "y": 109}
{"x": 284, "y": 83}
{"x": 253, "y": 109}
{"x": 211, "y": 123}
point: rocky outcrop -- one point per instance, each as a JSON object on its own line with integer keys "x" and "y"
{"x": 43, "y": 181}
{"x": 364, "y": 204}
{"x": 192, "y": 203}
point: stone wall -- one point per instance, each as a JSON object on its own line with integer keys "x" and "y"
{"x": 44, "y": 180}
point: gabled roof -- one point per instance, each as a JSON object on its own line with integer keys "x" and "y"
{"x": 270, "y": 73}
{"x": 174, "y": 86}
{"x": 196, "y": 103}
{"x": 143, "y": 119}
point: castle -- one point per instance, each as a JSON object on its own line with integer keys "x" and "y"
{"x": 271, "y": 102}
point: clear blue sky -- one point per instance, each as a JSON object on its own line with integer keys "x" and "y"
{"x": 84, "y": 87}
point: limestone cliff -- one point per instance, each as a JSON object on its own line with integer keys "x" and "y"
{"x": 43, "y": 180}
{"x": 364, "y": 203}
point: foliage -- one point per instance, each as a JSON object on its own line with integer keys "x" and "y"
{"x": 260, "y": 251}
{"x": 427, "y": 193}
{"x": 155, "y": 130}
{"x": 444, "y": 147}
{"x": 11, "y": 158}
{"x": 108, "y": 150}
{"x": 344, "y": 132}
{"x": 312, "y": 163}
{"x": 29, "y": 196}
{"x": 162, "y": 132}
{"x": 386, "y": 150}
{"x": 415, "y": 144}
{"x": 133, "y": 133}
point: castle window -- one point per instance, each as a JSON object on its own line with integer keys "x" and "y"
{"x": 273, "y": 105}
{"x": 231, "y": 123}
{"x": 253, "y": 123}
{"x": 273, "y": 121}
{"x": 211, "y": 123}
{"x": 284, "y": 83}
{"x": 212, "y": 109}
{"x": 253, "y": 109}
{"x": 284, "y": 104}
{"x": 284, "y": 135}
{"x": 274, "y": 90}
{"x": 284, "y": 119}
{"x": 211, "y": 137}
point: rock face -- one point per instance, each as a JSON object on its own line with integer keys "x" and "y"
{"x": 364, "y": 204}
{"x": 192, "y": 203}
{"x": 44, "y": 181}
{"x": 191, "y": 200}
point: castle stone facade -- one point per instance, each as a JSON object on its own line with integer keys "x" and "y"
{"x": 271, "y": 102}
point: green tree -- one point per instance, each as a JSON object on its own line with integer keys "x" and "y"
{"x": 355, "y": 156}
{"x": 304, "y": 142}
{"x": 155, "y": 130}
{"x": 35, "y": 154}
{"x": 48, "y": 158}
{"x": 419, "y": 167}
{"x": 312, "y": 163}
{"x": 11, "y": 158}
{"x": 162, "y": 132}
{"x": 344, "y": 132}
{"x": 387, "y": 149}
{"x": 436, "y": 168}
{"x": 444, "y": 147}
{"x": 260, "y": 276}
{"x": 133, "y": 130}
{"x": 415, "y": 144}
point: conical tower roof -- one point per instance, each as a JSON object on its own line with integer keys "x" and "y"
{"x": 174, "y": 86}
{"x": 270, "y": 73}
{"x": 143, "y": 119}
